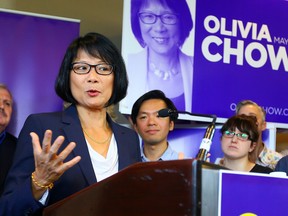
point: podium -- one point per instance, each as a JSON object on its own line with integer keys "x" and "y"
{"x": 148, "y": 188}
{"x": 181, "y": 187}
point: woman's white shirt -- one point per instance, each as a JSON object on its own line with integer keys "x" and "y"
{"x": 104, "y": 167}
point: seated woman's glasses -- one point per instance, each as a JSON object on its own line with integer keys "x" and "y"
{"x": 240, "y": 136}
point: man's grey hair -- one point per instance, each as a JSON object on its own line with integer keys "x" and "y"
{"x": 250, "y": 102}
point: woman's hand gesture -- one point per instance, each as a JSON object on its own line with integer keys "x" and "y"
{"x": 49, "y": 165}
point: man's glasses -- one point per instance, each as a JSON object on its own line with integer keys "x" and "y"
{"x": 240, "y": 136}
{"x": 150, "y": 18}
{"x": 84, "y": 68}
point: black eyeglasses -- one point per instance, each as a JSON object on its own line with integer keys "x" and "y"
{"x": 240, "y": 136}
{"x": 84, "y": 68}
{"x": 150, "y": 18}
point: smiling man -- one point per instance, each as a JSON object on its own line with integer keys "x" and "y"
{"x": 152, "y": 128}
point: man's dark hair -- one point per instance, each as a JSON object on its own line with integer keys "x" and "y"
{"x": 154, "y": 94}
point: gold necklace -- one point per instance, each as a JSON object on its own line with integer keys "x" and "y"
{"x": 102, "y": 142}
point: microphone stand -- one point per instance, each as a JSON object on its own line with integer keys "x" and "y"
{"x": 207, "y": 139}
{"x": 214, "y": 117}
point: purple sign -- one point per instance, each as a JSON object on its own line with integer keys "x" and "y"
{"x": 31, "y": 50}
{"x": 240, "y": 53}
{"x": 252, "y": 194}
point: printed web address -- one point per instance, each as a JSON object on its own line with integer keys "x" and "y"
{"x": 269, "y": 110}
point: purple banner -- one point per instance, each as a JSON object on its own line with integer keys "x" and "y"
{"x": 31, "y": 50}
{"x": 241, "y": 53}
{"x": 238, "y": 51}
{"x": 257, "y": 194}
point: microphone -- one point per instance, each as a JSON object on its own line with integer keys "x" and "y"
{"x": 169, "y": 112}
{"x": 173, "y": 114}
{"x": 166, "y": 112}
{"x": 206, "y": 143}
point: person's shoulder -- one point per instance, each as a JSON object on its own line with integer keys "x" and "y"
{"x": 282, "y": 164}
{"x": 285, "y": 158}
{"x": 261, "y": 169}
{"x": 47, "y": 115}
{"x": 269, "y": 152}
{"x": 172, "y": 152}
{"x": 68, "y": 111}
{"x": 123, "y": 127}
{"x": 283, "y": 161}
{"x": 48, "y": 119}
{"x": 11, "y": 137}
{"x": 185, "y": 56}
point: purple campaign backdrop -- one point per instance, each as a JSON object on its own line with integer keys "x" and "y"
{"x": 31, "y": 50}
{"x": 259, "y": 194}
{"x": 240, "y": 53}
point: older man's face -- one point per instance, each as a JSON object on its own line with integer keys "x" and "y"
{"x": 5, "y": 108}
{"x": 252, "y": 110}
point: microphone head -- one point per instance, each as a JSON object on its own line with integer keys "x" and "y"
{"x": 173, "y": 114}
{"x": 163, "y": 113}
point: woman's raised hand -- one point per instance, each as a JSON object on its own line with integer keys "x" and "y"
{"x": 49, "y": 165}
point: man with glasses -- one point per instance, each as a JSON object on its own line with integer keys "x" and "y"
{"x": 238, "y": 141}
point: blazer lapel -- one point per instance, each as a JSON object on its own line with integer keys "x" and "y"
{"x": 74, "y": 132}
{"x": 121, "y": 140}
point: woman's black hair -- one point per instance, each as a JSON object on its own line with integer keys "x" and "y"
{"x": 98, "y": 46}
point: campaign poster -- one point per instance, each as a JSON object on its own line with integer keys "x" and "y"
{"x": 238, "y": 51}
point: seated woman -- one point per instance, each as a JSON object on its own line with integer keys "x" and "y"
{"x": 238, "y": 141}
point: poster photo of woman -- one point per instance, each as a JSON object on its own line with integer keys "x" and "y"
{"x": 157, "y": 46}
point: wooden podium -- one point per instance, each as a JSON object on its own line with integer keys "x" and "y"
{"x": 150, "y": 188}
